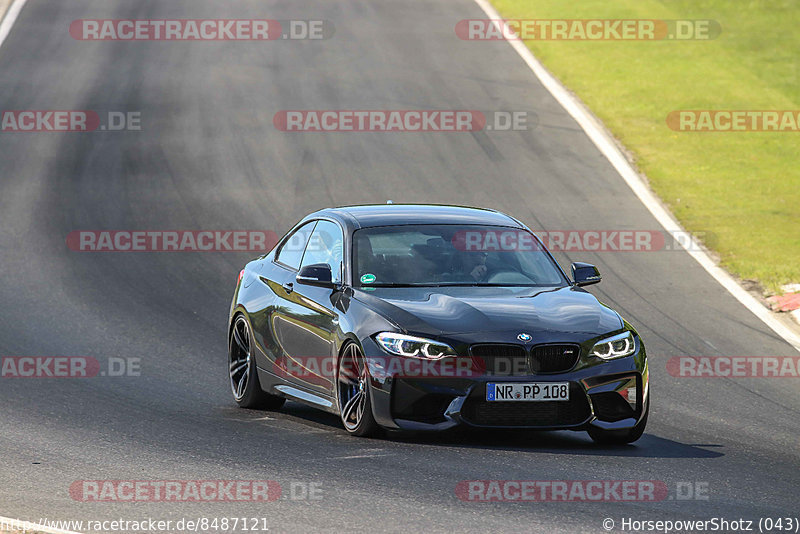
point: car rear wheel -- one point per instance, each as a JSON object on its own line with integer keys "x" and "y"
{"x": 620, "y": 437}
{"x": 246, "y": 389}
{"x": 355, "y": 406}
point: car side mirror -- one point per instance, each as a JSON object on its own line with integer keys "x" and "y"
{"x": 585, "y": 274}
{"x": 318, "y": 274}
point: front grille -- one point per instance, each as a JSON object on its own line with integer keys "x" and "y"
{"x": 478, "y": 411}
{"x": 495, "y": 359}
{"x": 500, "y": 360}
{"x": 554, "y": 358}
{"x": 610, "y": 406}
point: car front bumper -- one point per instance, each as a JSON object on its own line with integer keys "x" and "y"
{"x": 610, "y": 395}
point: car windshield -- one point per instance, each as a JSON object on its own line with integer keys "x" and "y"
{"x": 451, "y": 255}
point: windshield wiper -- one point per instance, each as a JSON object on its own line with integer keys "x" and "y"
{"x": 487, "y": 284}
{"x": 397, "y": 285}
{"x": 456, "y": 284}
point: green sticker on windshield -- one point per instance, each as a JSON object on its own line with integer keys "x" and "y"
{"x": 367, "y": 278}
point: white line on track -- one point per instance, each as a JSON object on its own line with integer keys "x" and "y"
{"x": 606, "y": 144}
{"x": 6, "y": 23}
{"x": 10, "y": 18}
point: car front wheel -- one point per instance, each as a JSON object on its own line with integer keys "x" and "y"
{"x": 355, "y": 406}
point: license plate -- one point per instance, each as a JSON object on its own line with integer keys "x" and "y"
{"x": 528, "y": 391}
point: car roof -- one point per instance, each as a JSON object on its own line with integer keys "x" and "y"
{"x": 400, "y": 214}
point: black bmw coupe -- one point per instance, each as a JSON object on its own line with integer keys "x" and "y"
{"x": 424, "y": 317}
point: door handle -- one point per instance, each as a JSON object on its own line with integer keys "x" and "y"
{"x": 288, "y": 287}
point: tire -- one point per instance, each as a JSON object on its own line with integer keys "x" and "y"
{"x": 242, "y": 373}
{"x": 353, "y": 393}
{"x": 620, "y": 437}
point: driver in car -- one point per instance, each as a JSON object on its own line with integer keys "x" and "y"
{"x": 468, "y": 267}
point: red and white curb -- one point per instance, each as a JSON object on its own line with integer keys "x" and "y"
{"x": 789, "y": 301}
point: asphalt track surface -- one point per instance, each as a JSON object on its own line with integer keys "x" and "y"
{"x": 209, "y": 157}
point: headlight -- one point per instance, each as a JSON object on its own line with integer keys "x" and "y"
{"x": 413, "y": 347}
{"x": 615, "y": 347}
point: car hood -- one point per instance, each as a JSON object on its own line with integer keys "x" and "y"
{"x": 455, "y": 310}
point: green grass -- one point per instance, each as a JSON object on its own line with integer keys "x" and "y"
{"x": 742, "y": 189}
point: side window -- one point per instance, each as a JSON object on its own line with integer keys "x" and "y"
{"x": 291, "y": 250}
{"x": 325, "y": 246}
